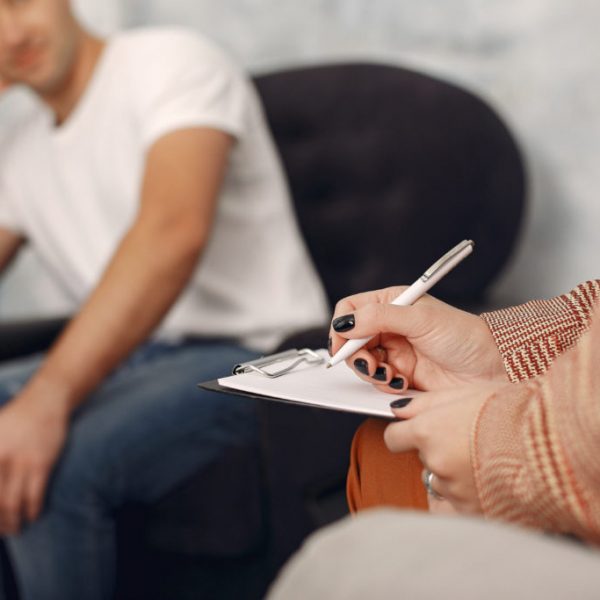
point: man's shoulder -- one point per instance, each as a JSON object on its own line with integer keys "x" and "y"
{"x": 166, "y": 43}
{"x": 163, "y": 62}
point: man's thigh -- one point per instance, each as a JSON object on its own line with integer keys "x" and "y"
{"x": 149, "y": 426}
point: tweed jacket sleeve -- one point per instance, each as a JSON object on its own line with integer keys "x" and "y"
{"x": 530, "y": 336}
{"x": 535, "y": 445}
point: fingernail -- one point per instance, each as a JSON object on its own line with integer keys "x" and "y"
{"x": 329, "y": 345}
{"x": 380, "y": 374}
{"x": 397, "y": 383}
{"x": 344, "y": 323}
{"x": 400, "y": 403}
{"x": 362, "y": 366}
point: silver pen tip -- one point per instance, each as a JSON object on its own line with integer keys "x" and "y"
{"x": 328, "y": 365}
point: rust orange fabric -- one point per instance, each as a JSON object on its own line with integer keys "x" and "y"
{"x": 378, "y": 477}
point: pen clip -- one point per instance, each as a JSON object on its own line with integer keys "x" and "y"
{"x": 451, "y": 254}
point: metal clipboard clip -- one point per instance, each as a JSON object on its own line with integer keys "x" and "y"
{"x": 305, "y": 355}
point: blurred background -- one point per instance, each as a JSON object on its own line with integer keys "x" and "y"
{"x": 536, "y": 62}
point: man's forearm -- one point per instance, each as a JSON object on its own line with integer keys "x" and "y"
{"x": 183, "y": 175}
{"x": 146, "y": 275}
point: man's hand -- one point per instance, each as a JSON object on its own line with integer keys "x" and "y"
{"x": 439, "y": 426}
{"x": 181, "y": 186}
{"x": 32, "y": 433}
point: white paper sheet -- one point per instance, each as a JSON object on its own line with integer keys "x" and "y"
{"x": 337, "y": 388}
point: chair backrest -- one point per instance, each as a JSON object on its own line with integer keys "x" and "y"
{"x": 389, "y": 169}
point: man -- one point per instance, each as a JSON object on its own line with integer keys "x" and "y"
{"x": 146, "y": 152}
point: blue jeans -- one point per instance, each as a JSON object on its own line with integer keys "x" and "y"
{"x": 144, "y": 431}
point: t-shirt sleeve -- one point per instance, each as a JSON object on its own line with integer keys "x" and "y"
{"x": 8, "y": 219}
{"x": 187, "y": 82}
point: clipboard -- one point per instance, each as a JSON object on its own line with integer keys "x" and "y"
{"x": 300, "y": 377}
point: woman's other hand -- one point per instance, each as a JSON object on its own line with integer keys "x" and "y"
{"x": 439, "y": 425}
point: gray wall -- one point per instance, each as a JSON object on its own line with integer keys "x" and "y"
{"x": 535, "y": 61}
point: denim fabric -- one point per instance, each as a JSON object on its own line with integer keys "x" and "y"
{"x": 144, "y": 431}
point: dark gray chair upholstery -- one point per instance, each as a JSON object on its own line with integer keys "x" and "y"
{"x": 388, "y": 169}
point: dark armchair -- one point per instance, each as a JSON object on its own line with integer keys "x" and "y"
{"x": 388, "y": 169}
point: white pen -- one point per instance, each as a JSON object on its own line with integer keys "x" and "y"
{"x": 411, "y": 294}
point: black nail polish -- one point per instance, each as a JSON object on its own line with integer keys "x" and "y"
{"x": 380, "y": 374}
{"x": 397, "y": 383}
{"x": 329, "y": 345}
{"x": 400, "y": 403}
{"x": 344, "y": 323}
{"x": 362, "y": 366}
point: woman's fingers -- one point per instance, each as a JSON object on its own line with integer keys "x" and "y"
{"x": 401, "y": 436}
{"x": 453, "y": 497}
{"x": 437, "y": 424}
{"x": 396, "y": 359}
{"x": 371, "y": 370}
{"x": 382, "y": 296}
{"x": 436, "y": 487}
{"x": 374, "y": 319}
{"x": 380, "y": 374}
{"x": 441, "y": 507}
{"x": 363, "y": 363}
{"x": 418, "y": 421}
{"x": 398, "y": 384}
{"x": 423, "y": 403}
{"x": 347, "y": 306}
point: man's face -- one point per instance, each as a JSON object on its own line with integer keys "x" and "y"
{"x": 38, "y": 43}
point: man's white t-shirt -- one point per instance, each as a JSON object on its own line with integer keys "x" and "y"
{"x": 74, "y": 190}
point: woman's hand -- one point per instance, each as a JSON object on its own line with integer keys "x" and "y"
{"x": 429, "y": 345}
{"x": 439, "y": 426}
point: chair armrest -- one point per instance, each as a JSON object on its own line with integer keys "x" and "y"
{"x": 28, "y": 336}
